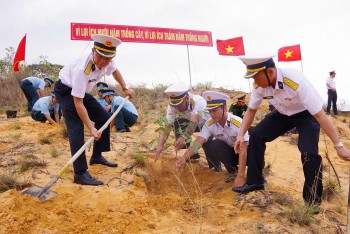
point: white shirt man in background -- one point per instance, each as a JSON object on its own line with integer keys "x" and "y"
{"x": 332, "y": 93}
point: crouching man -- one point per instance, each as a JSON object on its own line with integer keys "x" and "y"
{"x": 127, "y": 115}
{"x": 47, "y": 108}
{"x": 223, "y": 128}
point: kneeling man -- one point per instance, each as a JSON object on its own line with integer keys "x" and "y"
{"x": 47, "y": 108}
{"x": 224, "y": 127}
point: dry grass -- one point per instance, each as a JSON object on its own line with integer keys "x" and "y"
{"x": 44, "y": 139}
{"x": 300, "y": 213}
{"x": 15, "y": 135}
{"x": 63, "y": 130}
{"x": 10, "y": 93}
{"x": 331, "y": 189}
{"x": 150, "y": 99}
{"x": 281, "y": 198}
{"x": 53, "y": 152}
{"x": 16, "y": 126}
{"x": 26, "y": 164}
{"x": 9, "y": 181}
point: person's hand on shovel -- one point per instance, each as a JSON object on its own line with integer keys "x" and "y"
{"x": 129, "y": 92}
{"x": 95, "y": 134}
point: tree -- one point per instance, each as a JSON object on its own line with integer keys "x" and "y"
{"x": 6, "y": 63}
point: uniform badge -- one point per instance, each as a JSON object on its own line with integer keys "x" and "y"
{"x": 268, "y": 97}
{"x": 108, "y": 43}
{"x": 280, "y": 85}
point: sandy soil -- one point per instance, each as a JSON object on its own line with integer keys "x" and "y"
{"x": 150, "y": 198}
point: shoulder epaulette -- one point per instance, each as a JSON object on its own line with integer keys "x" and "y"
{"x": 235, "y": 122}
{"x": 48, "y": 102}
{"x": 255, "y": 85}
{"x": 88, "y": 67}
{"x": 209, "y": 122}
{"x": 290, "y": 83}
{"x": 192, "y": 102}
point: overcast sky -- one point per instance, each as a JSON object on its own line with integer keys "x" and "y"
{"x": 320, "y": 27}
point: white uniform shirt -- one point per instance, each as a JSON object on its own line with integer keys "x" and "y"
{"x": 330, "y": 83}
{"x": 290, "y": 99}
{"x": 228, "y": 133}
{"x": 196, "y": 105}
{"x": 80, "y": 76}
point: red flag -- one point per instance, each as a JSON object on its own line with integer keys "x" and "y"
{"x": 20, "y": 54}
{"x": 289, "y": 53}
{"x": 231, "y": 47}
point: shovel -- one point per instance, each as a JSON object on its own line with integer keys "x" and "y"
{"x": 45, "y": 193}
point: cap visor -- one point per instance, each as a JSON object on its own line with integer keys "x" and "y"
{"x": 174, "y": 103}
{"x": 105, "y": 54}
{"x": 250, "y": 74}
{"x": 211, "y": 107}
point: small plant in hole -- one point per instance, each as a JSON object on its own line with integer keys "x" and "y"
{"x": 139, "y": 160}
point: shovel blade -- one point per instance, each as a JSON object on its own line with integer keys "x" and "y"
{"x": 34, "y": 191}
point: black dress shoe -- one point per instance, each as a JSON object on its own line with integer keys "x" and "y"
{"x": 86, "y": 179}
{"x": 248, "y": 188}
{"x": 102, "y": 160}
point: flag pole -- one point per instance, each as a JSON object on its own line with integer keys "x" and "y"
{"x": 250, "y": 90}
{"x": 189, "y": 67}
{"x": 301, "y": 63}
{"x": 301, "y": 60}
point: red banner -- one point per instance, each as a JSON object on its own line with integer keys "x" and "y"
{"x": 83, "y": 31}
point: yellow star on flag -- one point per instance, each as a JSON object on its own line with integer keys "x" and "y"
{"x": 288, "y": 53}
{"x": 229, "y": 49}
